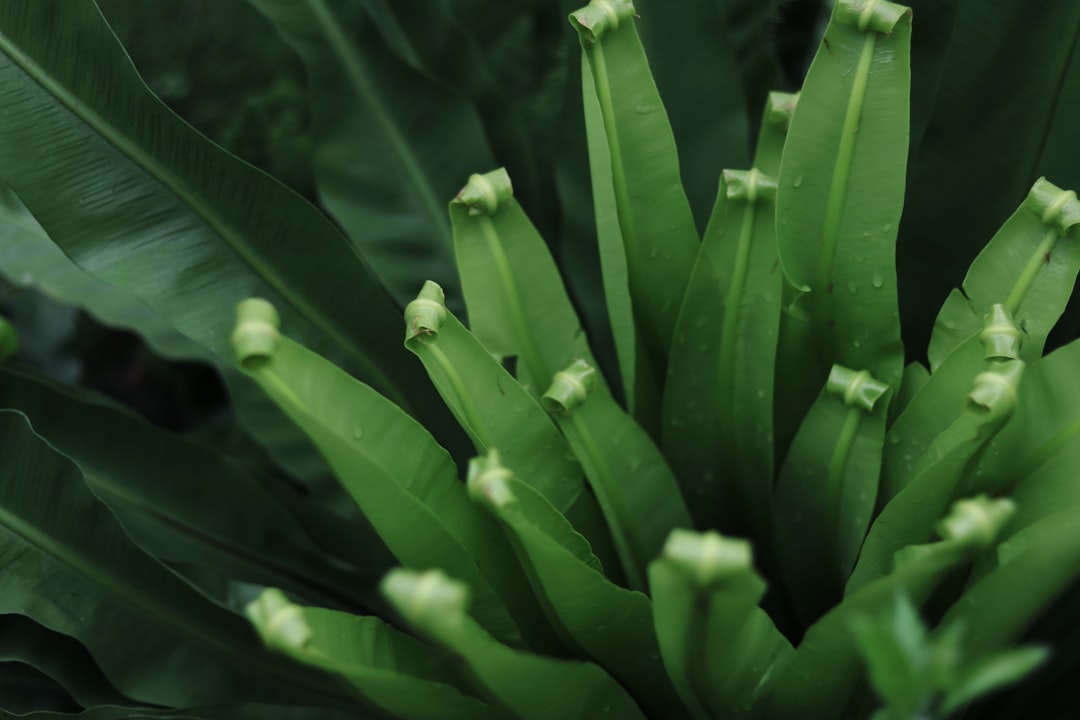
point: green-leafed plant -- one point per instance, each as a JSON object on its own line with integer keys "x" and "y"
{"x": 745, "y": 506}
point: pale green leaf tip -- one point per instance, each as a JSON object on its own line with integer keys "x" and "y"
{"x": 1056, "y": 208}
{"x": 976, "y": 521}
{"x": 780, "y": 108}
{"x": 876, "y": 15}
{"x": 857, "y": 388}
{"x": 749, "y": 185}
{"x": 279, "y": 622}
{"x": 995, "y": 391}
{"x": 1000, "y": 336}
{"x": 426, "y": 314}
{"x": 256, "y": 333}
{"x": 599, "y": 17}
{"x": 488, "y": 480}
{"x": 570, "y": 387}
{"x": 9, "y": 339}
{"x": 708, "y": 557}
{"x": 485, "y": 194}
{"x": 424, "y": 596}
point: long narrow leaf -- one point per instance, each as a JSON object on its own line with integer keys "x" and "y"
{"x": 143, "y": 625}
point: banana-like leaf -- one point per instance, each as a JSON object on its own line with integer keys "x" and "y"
{"x": 1030, "y": 266}
{"x": 842, "y": 187}
{"x": 385, "y": 667}
{"x": 390, "y": 144}
{"x": 602, "y": 621}
{"x": 138, "y": 199}
{"x": 403, "y": 482}
{"x": 529, "y": 687}
{"x": 69, "y": 566}
{"x": 717, "y": 644}
{"x": 655, "y": 222}
{"x": 59, "y": 657}
{"x": 183, "y": 503}
{"x": 818, "y": 680}
{"x": 825, "y": 493}
{"x": 515, "y": 297}
{"x": 499, "y": 413}
{"x": 636, "y": 489}
{"x": 718, "y": 401}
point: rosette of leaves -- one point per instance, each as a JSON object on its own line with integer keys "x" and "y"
{"x": 751, "y": 507}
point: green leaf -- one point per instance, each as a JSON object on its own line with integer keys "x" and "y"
{"x": 655, "y": 223}
{"x": 497, "y": 412}
{"x": 136, "y": 198}
{"x": 963, "y": 184}
{"x": 717, "y": 644}
{"x": 59, "y": 657}
{"x": 718, "y": 402}
{"x": 636, "y": 489}
{"x": 1042, "y": 560}
{"x": 841, "y": 187}
{"x": 159, "y": 486}
{"x": 600, "y": 620}
{"x": 516, "y": 300}
{"x": 909, "y": 517}
{"x": 403, "y": 482}
{"x": 709, "y": 119}
{"x": 818, "y": 680}
{"x": 69, "y": 567}
{"x": 387, "y": 668}
{"x": 993, "y": 673}
{"x": 383, "y": 166}
{"x": 826, "y": 489}
{"x": 530, "y": 687}
{"x": 1034, "y": 456}
{"x": 897, "y": 657}
{"x": 1028, "y": 266}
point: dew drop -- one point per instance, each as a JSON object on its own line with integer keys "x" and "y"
{"x": 644, "y": 109}
{"x": 357, "y": 432}
{"x": 853, "y": 288}
{"x": 703, "y": 347}
{"x": 653, "y": 253}
{"x": 878, "y": 281}
{"x": 701, "y": 320}
{"x": 886, "y": 227}
{"x": 894, "y": 439}
{"x": 857, "y": 344}
{"x": 797, "y": 182}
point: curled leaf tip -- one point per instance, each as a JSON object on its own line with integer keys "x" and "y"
{"x": 780, "y": 108}
{"x": 600, "y": 16}
{"x": 485, "y": 193}
{"x": 280, "y": 623}
{"x": 994, "y": 391}
{"x": 1057, "y": 208}
{"x": 874, "y": 15}
{"x": 9, "y": 339}
{"x": 426, "y": 314}
{"x": 976, "y": 521}
{"x": 570, "y": 387}
{"x": 856, "y": 387}
{"x": 1000, "y": 335}
{"x": 430, "y": 594}
{"x": 749, "y": 185}
{"x": 489, "y": 480}
{"x": 256, "y": 334}
{"x": 708, "y": 557}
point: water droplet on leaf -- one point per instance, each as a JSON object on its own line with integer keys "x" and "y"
{"x": 878, "y": 281}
